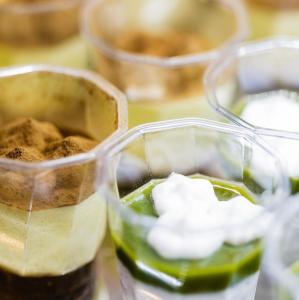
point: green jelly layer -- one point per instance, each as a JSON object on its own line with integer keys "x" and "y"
{"x": 294, "y": 181}
{"x": 229, "y": 265}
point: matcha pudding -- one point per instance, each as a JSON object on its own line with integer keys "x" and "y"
{"x": 276, "y": 110}
{"x": 184, "y": 225}
{"x": 41, "y": 31}
{"x": 52, "y": 220}
{"x": 264, "y": 97}
{"x": 157, "y": 51}
{"x": 179, "y": 255}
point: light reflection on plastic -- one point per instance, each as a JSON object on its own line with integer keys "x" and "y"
{"x": 168, "y": 279}
{"x": 5, "y": 239}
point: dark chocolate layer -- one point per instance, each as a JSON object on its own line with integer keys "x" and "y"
{"x": 76, "y": 285}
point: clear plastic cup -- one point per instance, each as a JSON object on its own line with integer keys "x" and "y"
{"x": 282, "y": 254}
{"x": 254, "y": 72}
{"x": 273, "y": 17}
{"x": 136, "y": 45}
{"x": 45, "y": 31}
{"x": 52, "y": 220}
{"x": 187, "y": 146}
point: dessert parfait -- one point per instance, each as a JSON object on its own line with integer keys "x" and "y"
{"x": 34, "y": 31}
{"x": 156, "y": 51}
{"x": 52, "y": 221}
{"x": 273, "y": 17}
{"x": 264, "y": 95}
{"x": 185, "y": 226}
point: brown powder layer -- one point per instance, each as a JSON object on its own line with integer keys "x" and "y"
{"x": 29, "y": 1}
{"x": 69, "y": 146}
{"x": 44, "y": 28}
{"x": 277, "y": 4}
{"x": 28, "y": 133}
{"x": 168, "y": 44}
{"x": 172, "y": 83}
{"x": 29, "y": 140}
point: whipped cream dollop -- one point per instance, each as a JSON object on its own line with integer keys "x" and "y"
{"x": 193, "y": 223}
{"x": 276, "y": 111}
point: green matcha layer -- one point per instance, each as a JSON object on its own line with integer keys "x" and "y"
{"x": 229, "y": 265}
{"x": 237, "y": 109}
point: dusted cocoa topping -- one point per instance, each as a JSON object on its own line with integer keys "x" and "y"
{"x": 23, "y": 154}
{"x": 277, "y": 4}
{"x": 167, "y": 44}
{"x": 69, "y": 146}
{"x": 28, "y": 132}
{"x": 29, "y": 1}
{"x": 29, "y": 140}
{"x": 149, "y": 82}
{"x": 43, "y": 23}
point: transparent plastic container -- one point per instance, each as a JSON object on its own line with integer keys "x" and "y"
{"x": 261, "y": 71}
{"x": 161, "y": 82}
{"x": 41, "y": 32}
{"x": 273, "y": 17}
{"x": 282, "y": 254}
{"x": 52, "y": 220}
{"x": 187, "y": 146}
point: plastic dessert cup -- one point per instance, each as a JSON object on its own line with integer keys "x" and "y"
{"x": 140, "y": 51}
{"x": 282, "y": 254}
{"x": 273, "y": 17}
{"x": 230, "y": 273}
{"x": 255, "y": 72}
{"x": 52, "y": 220}
{"x": 41, "y": 31}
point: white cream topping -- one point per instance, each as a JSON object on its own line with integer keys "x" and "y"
{"x": 276, "y": 111}
{"x": 51, "y": 241}
{"x": 193, "y": 223}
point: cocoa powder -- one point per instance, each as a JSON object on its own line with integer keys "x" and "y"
{"x": 24, "y": 154}
{"x": 165, "y": 44}
{"x": 277, "y": 4}
{"x": 176, "y": 83}
{"x": 26, "y": 1}
{"x": 29, "y": 140}
{"x": 69, "y": 146}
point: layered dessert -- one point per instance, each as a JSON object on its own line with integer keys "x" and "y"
{"x": 157, "y": 51}
{"x": 42, "y": 31}
{"x": 52, "y": 222}
{"x": 273, "y": 17}
{"x": 158, "y": 94}
{"x": 190, "y": 243}
{"x": 277, "y": 110}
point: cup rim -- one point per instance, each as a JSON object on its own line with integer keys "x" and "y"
{"x": 100, "y": 150}
{"x": 137, "y": 132}
{"x": 246, "y": 50}
{"x": 206, "y": 57}
{"x": 274, "y": 267}
{"x": 35, "y": 8}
